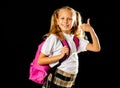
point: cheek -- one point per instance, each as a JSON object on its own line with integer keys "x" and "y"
{"x": 58, "y": 22}
{"x": 72, "y": 23}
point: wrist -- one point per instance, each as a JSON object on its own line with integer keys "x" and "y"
{"x": 61, "y": 56}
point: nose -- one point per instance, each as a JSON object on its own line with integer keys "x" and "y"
{"x": 66, "y": 21}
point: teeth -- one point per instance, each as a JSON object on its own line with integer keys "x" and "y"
{"x": 65, "y": 26}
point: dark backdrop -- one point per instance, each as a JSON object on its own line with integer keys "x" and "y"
{"x": 25, "y": 22}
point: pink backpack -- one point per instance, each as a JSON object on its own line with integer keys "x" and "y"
{"x": 38, "y": 73}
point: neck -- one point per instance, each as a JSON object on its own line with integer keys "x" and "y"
{"x": 67, "y": 32}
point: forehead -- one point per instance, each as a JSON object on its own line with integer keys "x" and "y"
{"x": 67, "y": 12}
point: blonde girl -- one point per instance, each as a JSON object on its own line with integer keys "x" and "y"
{"x": 67, "y": 22}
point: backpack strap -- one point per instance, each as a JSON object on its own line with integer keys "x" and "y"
{"x": 64, "y": 43}
{"x": 76, "y": 41}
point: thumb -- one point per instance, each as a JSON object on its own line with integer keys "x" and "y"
{"x": 88, "y": 21}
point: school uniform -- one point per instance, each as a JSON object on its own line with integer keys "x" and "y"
{"x": 66, "y": 73}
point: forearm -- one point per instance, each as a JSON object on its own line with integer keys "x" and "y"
{"x": 95, "y": 40}
{"x": 48, "y": 60}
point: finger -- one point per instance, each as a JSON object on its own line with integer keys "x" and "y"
{"x": 88, "y": 21}
{"x": 65, "y": 46}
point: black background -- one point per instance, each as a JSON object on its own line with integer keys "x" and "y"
{"x": 25, "y": 22}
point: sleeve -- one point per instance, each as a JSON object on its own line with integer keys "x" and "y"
{"x": 83, "y": 43}
{"x": 48, "y": 45}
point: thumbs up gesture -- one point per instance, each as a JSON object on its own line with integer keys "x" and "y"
{"x": 86, "y": 26}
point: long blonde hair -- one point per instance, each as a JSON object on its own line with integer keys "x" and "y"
{"x": 54, "y": 28}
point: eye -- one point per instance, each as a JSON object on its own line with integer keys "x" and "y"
{"x": 69, "y": 18}
{"x": 62, "y": 18}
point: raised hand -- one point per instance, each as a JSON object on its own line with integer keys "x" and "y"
{"x": 86, "y": 26}
{"x": 94, "y": 45}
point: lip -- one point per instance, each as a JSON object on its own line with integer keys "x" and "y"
{"x": 65, "y": 26}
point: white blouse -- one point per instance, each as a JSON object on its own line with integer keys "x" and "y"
{"x": 53, "y": 45}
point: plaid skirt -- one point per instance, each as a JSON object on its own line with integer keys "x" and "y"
{"x": 61, "y": 80}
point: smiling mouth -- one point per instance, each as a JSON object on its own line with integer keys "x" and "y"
{"x": 65, "y": 26}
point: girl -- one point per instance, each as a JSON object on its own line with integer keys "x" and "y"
{"x": 66, "y": 22}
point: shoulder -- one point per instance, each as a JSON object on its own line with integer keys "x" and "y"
{"x": 51, "y": 37}
{"x": 82, "y": 40}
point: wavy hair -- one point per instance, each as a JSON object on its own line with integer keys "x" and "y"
{"x": 54, "y": 28}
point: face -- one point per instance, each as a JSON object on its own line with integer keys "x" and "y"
{"x": 65, "y": 20}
